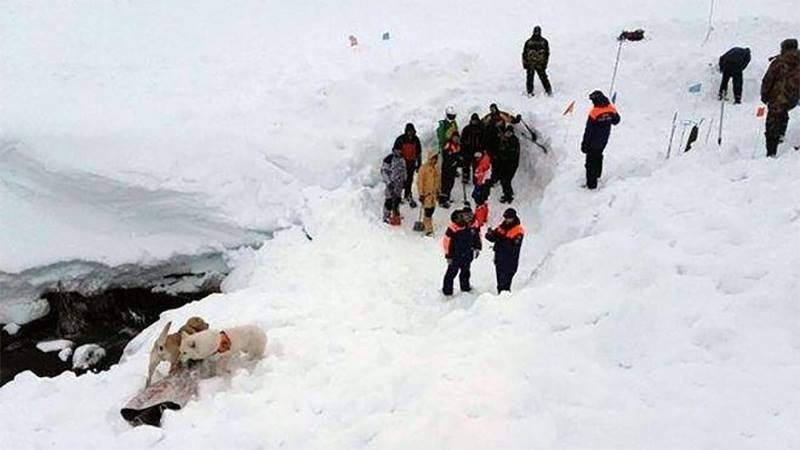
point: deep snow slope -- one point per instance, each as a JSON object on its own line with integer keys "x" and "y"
{"x": 657, "y": 312}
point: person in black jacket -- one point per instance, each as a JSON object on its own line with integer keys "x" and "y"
{"x": 411, "y": 150}
{"x": 462, "y": 244}
{"x": 471, "y": 142}
{"x": 535, "y": 56}
{"x": 507, "y": 238}
{"x": 506, "y": 163}
{"x": 595, "y": 137}
{"x": 732, "y": 64}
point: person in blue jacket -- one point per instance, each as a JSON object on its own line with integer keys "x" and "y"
{"x": 595, "y": 137}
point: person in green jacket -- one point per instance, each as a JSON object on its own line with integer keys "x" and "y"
{"x": 446, "y": 127}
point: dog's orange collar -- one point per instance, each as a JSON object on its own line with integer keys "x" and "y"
{"x": 224, "y": 342}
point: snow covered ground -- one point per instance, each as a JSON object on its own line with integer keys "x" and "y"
{"x": 658, "y": 312}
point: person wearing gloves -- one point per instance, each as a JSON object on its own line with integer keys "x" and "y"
{"x": 411, "y": 150}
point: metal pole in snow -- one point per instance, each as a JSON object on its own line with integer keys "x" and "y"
{"x": 710, "y": 24}
{"x": 616, "y": 66}
{"x": 672, "y": 133}
{"x": 721, "y": 117}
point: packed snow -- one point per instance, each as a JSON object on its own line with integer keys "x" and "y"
{"x": 657, "y": 312}
{"x": 55, "y": 345}
{"x": 87, "y": 356}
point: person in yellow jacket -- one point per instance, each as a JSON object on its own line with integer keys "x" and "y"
{"x": 429, "y": 184}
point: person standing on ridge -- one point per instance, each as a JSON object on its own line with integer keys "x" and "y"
{"x": 731, "y": 65}
{"x": 507, "y": 238}
{"x": 411, "y": 150}
{"x": 393, "y": 173}
{"x": 780, "y": 90}
{"x": 595, "y": 137}
{"x": 535, "y": 56}
{"x": 428, "y": 186}
{"x": 462, "y": 244}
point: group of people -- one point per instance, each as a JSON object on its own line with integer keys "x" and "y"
{"x": 485, "y": 152}
{"x": 780, "y": 87}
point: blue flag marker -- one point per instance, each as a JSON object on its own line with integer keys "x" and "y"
{"x": 695, "y": 88}
{"x": 386, "y": 36}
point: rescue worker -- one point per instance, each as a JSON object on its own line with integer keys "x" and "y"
{"x": 428, "y": 186}
{"x": 780, "y": 90}
{"x": 505, "y": 165}
{"x": 595, "y": 137}
{"x": 451, "y": 161}
{"x": 411, "y": 150}
{"x": 731, "y": 65}
{"x": 471, "y": 142}
{"x": 480, "y": 192}
{"x": 393, "y": 172}
{"x": 507, "y": 238}
{"x": 495, "y": 115}
{"x": 462, "y": 244}
{"x": 535, "y": 56}
{"x": 446, "y": 127}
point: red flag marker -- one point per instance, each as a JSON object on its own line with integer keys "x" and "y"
{"x": 570, "y": 108}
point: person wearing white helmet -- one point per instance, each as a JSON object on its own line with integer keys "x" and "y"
{"x": 446, "y": 127}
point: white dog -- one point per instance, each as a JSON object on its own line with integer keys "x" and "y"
{"x": 222, "y": 344}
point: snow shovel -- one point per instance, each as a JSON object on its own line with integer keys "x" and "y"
{"x": 418, "y": 226}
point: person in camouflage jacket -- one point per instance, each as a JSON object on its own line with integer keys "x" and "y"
{"x": 780, "y": 90}
{"x": 535, "y": 56}
{"x": 393, "y": 173}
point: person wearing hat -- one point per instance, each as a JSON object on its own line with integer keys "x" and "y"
{"x": 535, "y": 56}
{"x": 506, "y": 162}
{"x": 393, "y": 173}
{"x": 411, "y": 150}
{"x": 595, "y": 136}
{"x": 462, "y": 244}
{"x": 780, "y": 90}
{"x": 471, "y": 142}
{"x": 428, "y": 185}
{"x": 507, "y": 238}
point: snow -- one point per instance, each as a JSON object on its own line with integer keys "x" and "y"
{"x": 657, "y": 312}
{"x": 11, "y": 328}
{"x": 87, "y": 356}
{"x": 65, "y": 354}
{"x": 55, "y": 345}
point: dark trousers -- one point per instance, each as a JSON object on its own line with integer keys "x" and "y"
{"x": 429, "y": 212}
{"x": 460, "y": 268}
{"x": 777, "y": 121}
{"x": 392, "y": 204}
{"x": 448, "y": 180}
{"x": 594, "y": 168}
{"x": 505, "y": 274}
{"x": 506, "y": 176}
{"x": 542, "y": 72}
{"x": 410, "y": 169}
{"x": 737, "y": 85}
